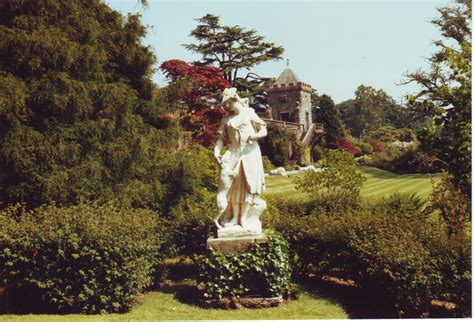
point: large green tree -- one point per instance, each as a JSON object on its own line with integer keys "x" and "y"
{"x": 76, "y": 116}
{"x": 325, "y": 112}
{"x": 234, "y": 49}
{"x": 446, "y": 94}
{"x": 372, "y": 109}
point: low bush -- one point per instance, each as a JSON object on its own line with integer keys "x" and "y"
{"x": 366, "y": 148}
{"x": 401, "y": 204}
{"x": 294, "y": 218}
{"x": 453, "y": 260}
{"x": 317, "y": 153}
{"x": 338, "y": 182}
{"x": 81, "y": 259}
{"x": 384, "y": 254}
{"x": 390, "y": 247}
{"x": 267, "y": 164}
{"x": 190, "y": 223}
{"x": 403, "y": 158}
{"x": 376, "y": 145}
{"x": 263, "y": 269}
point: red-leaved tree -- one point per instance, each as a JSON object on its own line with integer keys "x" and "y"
{"x": 345, "y": 145}
{"x": 376, "y": 145}
{"x": 202, "y": 87}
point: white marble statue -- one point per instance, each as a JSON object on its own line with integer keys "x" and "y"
{"x": 241, "y": 180}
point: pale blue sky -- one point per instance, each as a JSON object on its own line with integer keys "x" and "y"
{"x": 333, "y": 45}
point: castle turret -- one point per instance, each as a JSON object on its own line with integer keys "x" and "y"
{"x": 290, "y": 99}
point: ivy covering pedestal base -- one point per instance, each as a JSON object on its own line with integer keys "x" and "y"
{"x": 261, "y": 270}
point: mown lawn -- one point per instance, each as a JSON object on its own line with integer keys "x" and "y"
{"x": 379, "y": 183}
{"x": 168, "y": 304}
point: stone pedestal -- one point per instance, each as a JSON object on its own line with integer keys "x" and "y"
{"x": 235, "y": 244}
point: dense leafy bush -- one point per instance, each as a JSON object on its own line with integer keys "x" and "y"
{"x": 389, "y": 248}
{"x": 389, "y": 134}
{"x": 77, "y": 119}
{"x": 281, "y": 145}
{"x": 346, "y": 145}
{"x": 403, "y": 158}
{"x": 366, "y": 148}
{"x": 187, "y": 174}
{"x": 454, "y": 207}
{"x": 267, "y": 164}
{"x": 454, "y": 262}
{"x": 401, "y": 204}
{"x": 190, "y": 223}
{"x": 383, "y": 253}
{"x": 190, "y": 178}
{"x": 338, "y": 180}
{"x": 83, "y": 259}
{"x": 317, "y": 153}
{"x": 376, "y": 145}
{"x": 263, "y": 269}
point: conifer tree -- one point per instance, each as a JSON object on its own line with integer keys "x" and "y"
{"x": 234, "y": 49}
{"x": 326, "y": 113}
{"x": 76, "y": 116}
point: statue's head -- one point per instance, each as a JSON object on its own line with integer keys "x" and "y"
{"x": 231, "y": 101}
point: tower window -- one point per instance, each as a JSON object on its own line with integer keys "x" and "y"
{"x": 283, "y": 99}
{"x": 285, "y": 117}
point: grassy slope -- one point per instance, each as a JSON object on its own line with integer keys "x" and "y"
{"x": 379, "y": 183}
{"x": 165, "y": 306}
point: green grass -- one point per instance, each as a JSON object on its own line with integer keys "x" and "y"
{"x": 379, "y": 183}
{"x": 164, "y": 305}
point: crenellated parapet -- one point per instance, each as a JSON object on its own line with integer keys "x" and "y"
{"x": 298, "y": 86}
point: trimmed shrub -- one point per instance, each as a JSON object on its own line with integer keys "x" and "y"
{"x": 391, "y": 250}
{"x": 81, "y": 259}
{"x": 190, "y": 223}
{"x": 384, "y": 254}
{"x": 263, "y": 269}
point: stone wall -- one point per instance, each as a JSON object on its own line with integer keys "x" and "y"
{"x": 291, "y": 102}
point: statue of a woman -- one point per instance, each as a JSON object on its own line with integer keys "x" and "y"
{"x": 242, "y": 179}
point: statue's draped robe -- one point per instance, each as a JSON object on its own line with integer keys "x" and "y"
{"x": 243, "y": 159}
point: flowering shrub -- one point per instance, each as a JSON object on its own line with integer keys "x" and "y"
{"x": 81, "y": 259}
{"x": 376, "y": 145}
{"x": 345, "y": 144}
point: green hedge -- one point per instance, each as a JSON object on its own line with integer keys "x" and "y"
{"x": 82, "y": 259}
{"x": 391, "y": 250}
{"x": 262, "y": 269}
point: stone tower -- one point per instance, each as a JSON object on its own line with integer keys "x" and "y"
{"x": 290, "y": 99}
